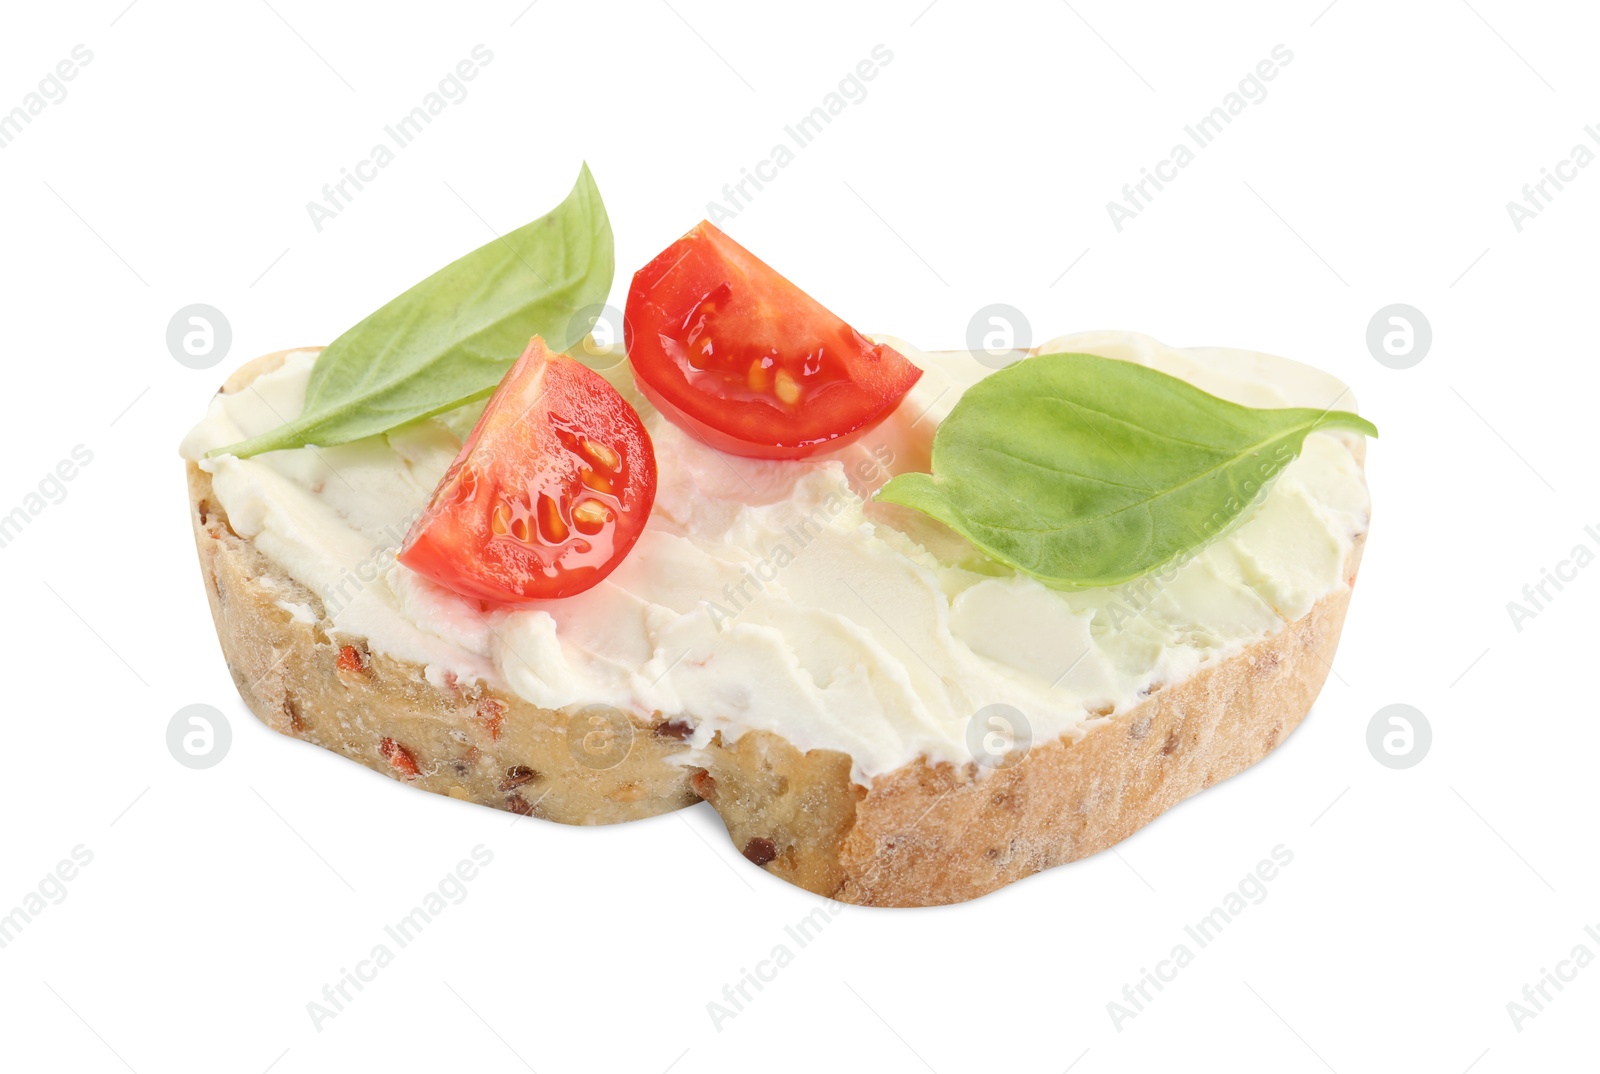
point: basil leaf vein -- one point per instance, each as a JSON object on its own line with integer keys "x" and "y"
{"x": 451, "y": 338}
{"x": 1086, "y": 471}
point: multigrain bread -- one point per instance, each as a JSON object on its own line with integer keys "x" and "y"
{"x": 917, "y": 836}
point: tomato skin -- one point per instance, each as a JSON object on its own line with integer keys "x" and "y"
{"x": 548, "y": 494}
{"x": 743, "y": 360}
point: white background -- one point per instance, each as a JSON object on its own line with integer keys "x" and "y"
{"x": 976, "y": 170}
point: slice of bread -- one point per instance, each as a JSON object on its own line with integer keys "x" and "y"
{"x": 920, "y": 835}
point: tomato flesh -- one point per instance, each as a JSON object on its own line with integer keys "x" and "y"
{"x": 745, "y": 361}
{"x": 548, "y": 493}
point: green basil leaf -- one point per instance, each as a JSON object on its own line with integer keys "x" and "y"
{"x": 1086, "y": 471}
{"x": 452, "y": 337}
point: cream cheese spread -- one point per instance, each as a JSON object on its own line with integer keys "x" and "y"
{"x": 776, "y": 596}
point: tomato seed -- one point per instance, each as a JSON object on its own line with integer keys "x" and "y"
{"x": 787, "y": 388}
{"x": 600, "y": 454}
{"x": 551, "y": 527}
{"x": 595, "y": 481}
{"x": 590, "y": 517}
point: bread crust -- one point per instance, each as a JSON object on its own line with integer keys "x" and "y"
{"x": 922, "y": 835}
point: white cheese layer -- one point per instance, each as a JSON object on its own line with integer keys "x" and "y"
{"x": 774, "y": 596}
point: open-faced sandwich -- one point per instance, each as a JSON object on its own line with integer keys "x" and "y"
{"x": 914, "y": 626}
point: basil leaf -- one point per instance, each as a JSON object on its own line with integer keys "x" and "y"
{"x": 452, "y": 337}
{"x": 1088, "y": 471}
